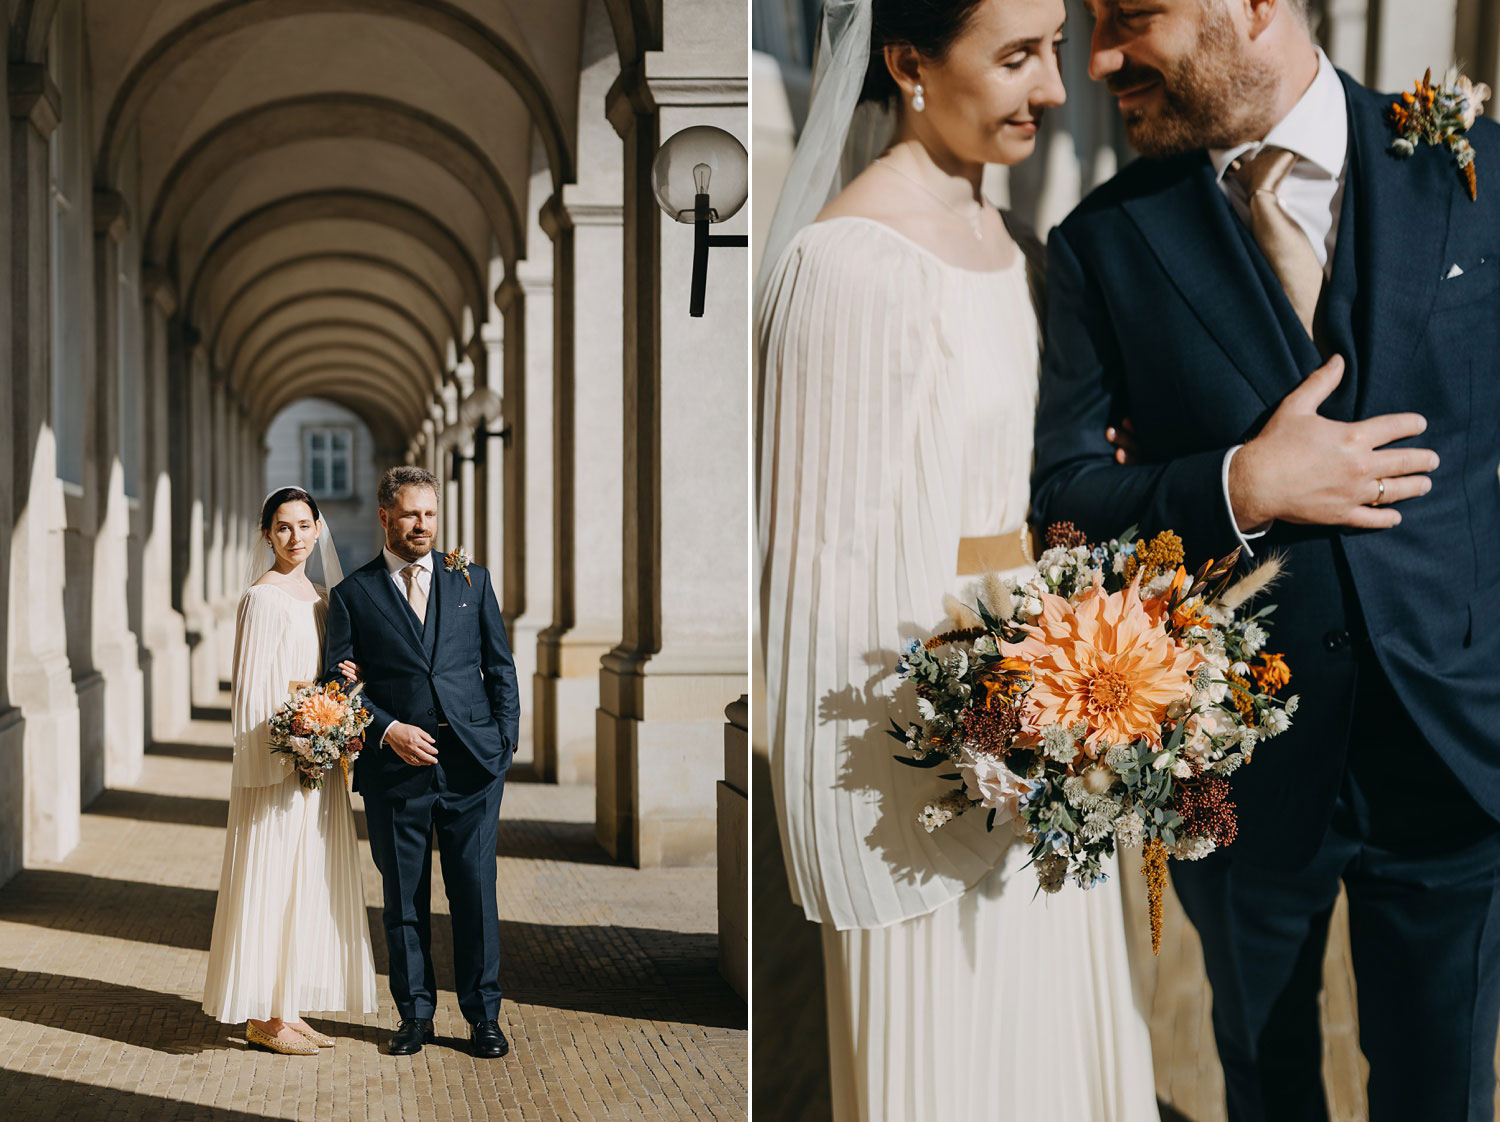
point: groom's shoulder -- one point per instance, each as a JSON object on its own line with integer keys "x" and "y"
{"x": 1142, "y": 178}
{"x": 375, "y": 563}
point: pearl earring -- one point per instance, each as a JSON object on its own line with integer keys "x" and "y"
{"x": 918, "y": 102}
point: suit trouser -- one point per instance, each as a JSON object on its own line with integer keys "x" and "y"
{"x": 461, "y": 805}
{"x": 1420, "y": 862}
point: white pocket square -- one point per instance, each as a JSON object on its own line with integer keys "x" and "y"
{"x": 1454, "y": 271}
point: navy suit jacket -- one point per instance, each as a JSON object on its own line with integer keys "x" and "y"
{"x": 461, "y": 671}
{"x": 1161, "y": 308}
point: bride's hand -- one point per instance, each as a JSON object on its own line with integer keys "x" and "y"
{"x": 1123, "y": 438}
{"x": 349, "y": 670}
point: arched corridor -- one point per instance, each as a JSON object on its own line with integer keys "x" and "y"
{"x": 368, "y": 232}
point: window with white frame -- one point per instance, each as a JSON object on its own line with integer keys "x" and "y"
{"x": 328, "y": 461}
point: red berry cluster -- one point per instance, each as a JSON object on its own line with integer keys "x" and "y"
{"x": 1066, "y": 535}
{"x": 1207, "y": 810}
{"x": 991, "y": 730}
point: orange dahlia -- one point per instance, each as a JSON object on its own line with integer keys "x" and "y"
{"x": 1103, "y": 661}
{"x": 321, "y": 711}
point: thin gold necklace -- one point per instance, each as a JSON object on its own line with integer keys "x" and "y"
{"x": 975, "y": 220}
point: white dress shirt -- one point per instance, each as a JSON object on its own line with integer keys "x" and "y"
{"x": 1317, "y": 130}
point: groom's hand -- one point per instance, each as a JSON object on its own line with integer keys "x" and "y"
{"x": 1306, "y": 468}
{"x": 412, "y": 744}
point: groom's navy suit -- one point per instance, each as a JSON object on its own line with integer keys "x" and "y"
{"x": 452, "y": 676}
{"x": 1162, "y": 308}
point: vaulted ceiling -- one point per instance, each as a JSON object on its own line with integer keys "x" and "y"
{"x": 331, "y": 184}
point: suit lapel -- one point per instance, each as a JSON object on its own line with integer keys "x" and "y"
{"x": 1193, "y": 233}
{"x": 381, "y": 589}
{"x": 1405, "y": 208}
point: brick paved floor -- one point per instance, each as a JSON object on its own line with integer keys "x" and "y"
{"x": 614, "y": 1006}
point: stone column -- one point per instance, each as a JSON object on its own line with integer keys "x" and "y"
{"x": 13, "y": 432}
{"x": 525, "y": 299}
{"x": 588, "y": 449}
{"x": 221, "y": 595}
{"x": 734, "y": 849}
{"x": 40, "y": 679}
{"x": 464, "y": 506}
{"x": 664, "y": 688}
{"x": 115, "y": 647}
{"x": 1404, "y": 38}
{"x": 491, "y": 539}
{"x": 163, "y": 629}
{"x": 189, "y": 419}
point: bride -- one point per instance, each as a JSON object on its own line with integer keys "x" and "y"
{"x": 898, "y": 347}
{"x": 290, "y": 932}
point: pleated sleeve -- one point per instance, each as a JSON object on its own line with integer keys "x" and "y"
{"x": 860, "y": 432}
{"x": 259, "y": 683}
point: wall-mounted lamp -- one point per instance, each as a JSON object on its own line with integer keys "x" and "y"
{"x": 477, "y": 412}
{"x": 702, "y": 175}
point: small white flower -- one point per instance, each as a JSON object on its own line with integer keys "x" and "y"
{"x": 1275, "y": 722}
{"x": 1193, "y": 849}
{"x": 1241, "y": 668}
{"x": 1161, "y": 761}
{"x": 1130, "y": 830}
{"x": 1033, "y": 606}
{"x": 1182, "y": 769}
{"x": 1292, "y": 703}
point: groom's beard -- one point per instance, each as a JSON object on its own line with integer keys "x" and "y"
{"x": 1214, "y": 97}
{"x": 408, "y": 549}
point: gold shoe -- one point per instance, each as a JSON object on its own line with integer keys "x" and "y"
{"x": 314, "y": 1035}
{"x": 299, "y": 1047}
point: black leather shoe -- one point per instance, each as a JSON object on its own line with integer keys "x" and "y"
{"x": 489, "y": 1041}
{"x": 410, "y": 1036}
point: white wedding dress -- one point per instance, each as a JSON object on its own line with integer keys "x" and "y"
{"x": 899, "y": 395}
{"x": 290, "y": 931}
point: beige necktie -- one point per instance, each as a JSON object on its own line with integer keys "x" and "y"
{"x": 414, "y": 594}
{"x": 1283, "y": 242}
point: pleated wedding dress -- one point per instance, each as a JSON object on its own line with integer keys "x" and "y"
{"x": 290, "y": 935}
{"x": 898, "y": 403}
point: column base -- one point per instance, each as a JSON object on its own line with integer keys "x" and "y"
{"x": 225, "y": 613}
{"x": 167, "y": 670}
{"x": 203, "y": 656}
{"x": 660, "y": 749}
{"x": 93, "y": 721}
{"x": 50, "y": 748}
{"x": 12, "y": 792}
{"x": 566, "y": 695}
{"x": 523, "y": 639}
{"x": 124, "y": 711}
{"x": 734, "y": 850}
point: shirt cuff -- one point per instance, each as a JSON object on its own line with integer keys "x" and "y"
{"x": 1245, "y": 536}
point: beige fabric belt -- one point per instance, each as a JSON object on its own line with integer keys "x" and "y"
{"x": 996, "y": 553}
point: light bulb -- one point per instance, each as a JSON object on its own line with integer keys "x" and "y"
{"x": 701, "y": 173}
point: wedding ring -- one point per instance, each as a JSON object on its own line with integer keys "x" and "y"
{"x": 1380, "y": 496}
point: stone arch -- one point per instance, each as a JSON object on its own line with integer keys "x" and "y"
{"x": 348, "y": 350}
{"x": 266, "y": 278}
{"x": 306, "y": 301}
{"x": 345, "y": 387}
{"x": 311, "y": 206}
{"x": 29, "y": 30}
{"x": 230, "y": 16}
{"x": 331, "y": 116}
{"x": 356, "y": 327}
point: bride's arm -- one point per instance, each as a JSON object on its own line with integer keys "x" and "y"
{"x": 338, "y": 647}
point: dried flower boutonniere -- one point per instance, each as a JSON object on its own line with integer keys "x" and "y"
{"x": 458, "y": 562}
{"x": 1434, "y": 115}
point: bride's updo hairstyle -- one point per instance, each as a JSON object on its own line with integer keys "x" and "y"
{"x": 285, "y": 495}
{"x": 930, "y": 27}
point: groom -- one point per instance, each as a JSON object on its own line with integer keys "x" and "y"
{"x": 429, "y": 642}
{"x": 1282, "y": 308}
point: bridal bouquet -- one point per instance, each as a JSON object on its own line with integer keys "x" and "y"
{"x": 1104, "y": 701}
{"x": 320, "y": 727}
